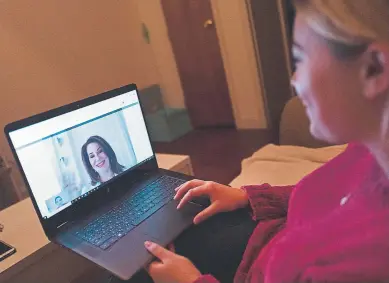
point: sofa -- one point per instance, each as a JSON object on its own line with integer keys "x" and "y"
{"x": 297, "y": 155}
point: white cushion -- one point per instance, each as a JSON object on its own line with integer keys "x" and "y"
{"x": 283, "y": 165}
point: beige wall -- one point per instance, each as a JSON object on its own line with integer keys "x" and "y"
{"x": 56, "y": 52}
{"x": 151, "y": 13}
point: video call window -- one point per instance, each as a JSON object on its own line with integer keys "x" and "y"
{"x": 65, "y": 165}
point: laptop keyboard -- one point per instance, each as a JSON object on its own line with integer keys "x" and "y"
{"x": 110, "y": 227}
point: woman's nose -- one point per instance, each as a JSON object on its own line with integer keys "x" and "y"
{"x": 101, "y": 156}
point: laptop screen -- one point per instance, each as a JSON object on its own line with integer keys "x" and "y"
{"x": 67, "y": 157}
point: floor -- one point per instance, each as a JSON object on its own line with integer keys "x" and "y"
{"x": 216, "y": 154}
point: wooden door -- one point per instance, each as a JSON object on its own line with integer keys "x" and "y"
{"x": 196, "y": 48}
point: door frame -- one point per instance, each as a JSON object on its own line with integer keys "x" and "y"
{"x": 243, "y": 80}
{"x": 272, "y": 42}
{"x": 243, "y": 77}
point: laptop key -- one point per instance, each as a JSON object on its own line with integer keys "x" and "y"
{"x": 109, "y": 242}
{"x": 108, "y": 228}
{"x": 146, "y": 215}
{"x": 166, "y": 200}
{"x": 102, "y": 239}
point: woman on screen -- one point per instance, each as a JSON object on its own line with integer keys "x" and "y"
{"x": 58, "y": 201}
{"x": 100, "y": 160}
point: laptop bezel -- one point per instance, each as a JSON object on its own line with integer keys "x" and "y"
{"x": 75, "y": 211}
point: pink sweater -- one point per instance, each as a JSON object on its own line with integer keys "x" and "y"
{"x": 333, "y": 226}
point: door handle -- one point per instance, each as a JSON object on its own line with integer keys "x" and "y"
{"x": 208, "y": 23}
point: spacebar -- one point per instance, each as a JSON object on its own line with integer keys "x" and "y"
{"x": 146, "y": 215}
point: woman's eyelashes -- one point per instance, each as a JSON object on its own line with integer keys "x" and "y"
{"x": 97, "y": 152}
{"x": 296, "y": 56}
{"x": 296, "y": 60}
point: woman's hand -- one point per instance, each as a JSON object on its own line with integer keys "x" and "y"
{"x": 223, "y": 198}
{"x": 171, "y": 268}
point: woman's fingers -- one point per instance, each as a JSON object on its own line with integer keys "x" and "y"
{"x": 196, "y": 192}
{"x": 181, "y": 190}
{"x": 158, "y": 251}
{"x": 206, "y": 213}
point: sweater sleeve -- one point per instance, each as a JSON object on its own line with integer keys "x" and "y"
{"x": 268, "y": 202}
{"x": 206, "y": 279}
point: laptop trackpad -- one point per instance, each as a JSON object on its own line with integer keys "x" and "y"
{"x": 168, "y": 222}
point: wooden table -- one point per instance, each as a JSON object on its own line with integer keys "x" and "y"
{"x": 34, "y": 251}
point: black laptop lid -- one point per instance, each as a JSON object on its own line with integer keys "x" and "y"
{"x": 70, "y": 154}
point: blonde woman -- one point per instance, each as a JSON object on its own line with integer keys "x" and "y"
{"x": 333, "y": 226}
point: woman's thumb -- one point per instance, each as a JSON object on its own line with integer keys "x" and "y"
{"x": 160, "y": 252}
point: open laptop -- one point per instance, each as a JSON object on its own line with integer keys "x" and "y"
{"x": 94, "y": 180}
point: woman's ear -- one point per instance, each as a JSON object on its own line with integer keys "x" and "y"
{"x": 375, "y": 70}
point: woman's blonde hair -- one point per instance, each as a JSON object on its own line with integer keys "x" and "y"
{"x": 348, "y": 25}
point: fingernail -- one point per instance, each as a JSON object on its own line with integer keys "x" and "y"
{"x": 175, "y": 196}
{"x": 148, "y": 244}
